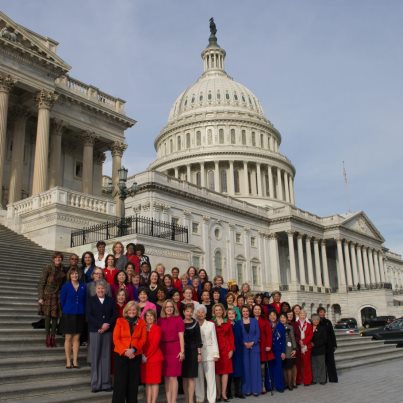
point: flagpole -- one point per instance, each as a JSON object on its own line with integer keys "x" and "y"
{"x": 347, "y": 190}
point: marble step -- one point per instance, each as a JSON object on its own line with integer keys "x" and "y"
{"x": 369, "y": 350}
{"x": 32, "y": 350}
{"x": 41, "y": 359}
{"x": 353, "y": 357}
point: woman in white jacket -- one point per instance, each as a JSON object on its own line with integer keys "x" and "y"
{"x": 210, "y": 354}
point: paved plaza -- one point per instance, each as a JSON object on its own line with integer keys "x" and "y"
{"x": 379, "y": 383}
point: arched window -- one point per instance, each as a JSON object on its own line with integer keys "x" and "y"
{"x": 209, "y": 137}
{"x": 198, "y": 138}
{"x": 239, "y": 269}
{"x": 236, "y": 181}
{"x": 187, "y": 140}
{"x": 223, "y": 180}
{"x": 179, "y": 145}
{"x": 209, "y": 96}
{"x": 221, "y": 136}
{"x": 261, "y": 140}
{"x": 218, "y": 263}
{"x": 218, "y": 95}
{"x": 235, "y": 96}
{"x": 198, "y": 178}
{"x": 250, "y": 182}
{"x": 171, "y": 146}
{"x": 232, "y": 136}
{"x": 255, "y": 275}
{"x": 210, "y": 180}
{"x": 165, "y": 148}
{"x": 253, "y": 139}
{"x": 244, "y": 137}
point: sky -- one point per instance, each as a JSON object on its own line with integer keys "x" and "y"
{"x": 328, "y": 73}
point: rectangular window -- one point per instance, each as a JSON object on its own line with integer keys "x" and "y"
{"x": 175, "y": 220}
{"x": 196, "y": 261}
{"x": 78, "y": 169}
{"x": 195, "y": 227}
{"x": 239, "y": 271}
{"x": 238, "y": 237}
{"x": 253, "y": 241}
{"x": 253, "y": 139}
{"x": 255, "y": 279}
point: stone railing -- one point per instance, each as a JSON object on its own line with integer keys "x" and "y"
{"x": 62, "y": 196}
{"x": 91, "y": 93}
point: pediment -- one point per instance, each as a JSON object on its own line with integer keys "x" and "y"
{"x": 359, "y": 222}
{"x": 25, "y": 41}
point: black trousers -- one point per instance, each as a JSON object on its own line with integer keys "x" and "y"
{"x": 127, "y": 379}
{"x": 331, "y": 366}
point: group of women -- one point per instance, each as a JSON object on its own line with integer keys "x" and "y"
{"x": 151, "y": 326}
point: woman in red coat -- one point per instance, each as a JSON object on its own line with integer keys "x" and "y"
{"x": 303, "y": 338}
{"x": 226, "y": 347}
{"x": 265, "y": 342}
{"x": 151, "y": 368}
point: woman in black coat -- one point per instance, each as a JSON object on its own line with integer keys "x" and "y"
{"x": 318, "y": 342}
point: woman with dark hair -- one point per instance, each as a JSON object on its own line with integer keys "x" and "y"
{"x": 203, "y": 276}
{"x": 136, "y": 285}
{"x": 100, "y": 255}
{"x": 140, "y": 250}
{"x": 176, "y": 298}
{"x": 121, "y": 302}
{"x": 206, "y": 301}
{"x": 207, "y": 286}
{"x": 88, "y": 265}
{"x": 110, "y": 270}
{"x": 258, "y": 299}
{"x": 187, "y": 299}
{"x": 278, "y": 347}
{"x": 285, "y": 307}
{"x": 191, "y": 272}
{"x": 161, "y": 298}
{"x": 121, "y": 283}
{"x": 240, "y": 302}
{"x": 120, "y": 259}
{"x": 144, "y": 304}
{"x": 151, "y": 368}
{"x": 296, "y": 309}
{"x": 265, "y": 344}
{"x": 145, "y": 270}
{"x": 290, "y": 350}
{"x": 216, "y": 296}
{"x": 153, "y": 284}
{"x": 167, "y": 282}
{"x": 49, "y": 285}
{"x": 129, "y": 337}
{"x": 176, "y": 281}
{"x": 233, "y": 287}
{"x": 230, "y": 302}
{"x": 132, "y": 256}
{"x": 252, "y": 381}
{"x": 196, "y": 288}
{"x": 130, "y": 271}
{"x": 72, "y": 301}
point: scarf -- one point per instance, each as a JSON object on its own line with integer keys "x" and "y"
{"x": 132, "y": 323}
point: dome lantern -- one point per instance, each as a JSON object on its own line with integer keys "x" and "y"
{"x": 213, "y": 56}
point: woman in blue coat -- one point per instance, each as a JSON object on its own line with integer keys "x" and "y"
{"x": 278, "y": 348}
{"x": 252, "y": 381}
{"x": 237, "y": 357}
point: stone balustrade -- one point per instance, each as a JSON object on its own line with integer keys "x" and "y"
{"x": 62, "y": 196}
{"x": 90, "y": 93}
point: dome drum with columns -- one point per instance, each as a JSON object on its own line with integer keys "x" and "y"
{"x": 218, "y": 137}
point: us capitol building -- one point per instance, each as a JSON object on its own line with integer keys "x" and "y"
{"x": 219, "y": 172}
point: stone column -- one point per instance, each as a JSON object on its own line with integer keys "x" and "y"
{"x": 274, "y": 261}
{"x": 188, "y": 173}
{"x": 360, "y": 266}
{"x": 279, "y": 185}
{"x": 88, "y": 162}
{"x": 230, "y": 181}
{"x": 366, "y": 266}
{"x": 216, "y": 177}
{"x": 348, "y": 264}
{"x": 287, "y": 190}
{"x": 17, "y": 156}
{"x": 245, "y": 179}
{"x": 301, "y": 262}
{"x": 326, "y": 281}
{"x": 55, "y": 156}
{"x": 371, "y": 266}
{"x": 117, "y": 150}
{"x": 6, "y": 83}
{"x": 202, "y": 175}
{"x": 45, "y": 101}
{"x": 318, "y": 273}
{"x": 341, "y": 275}
{"x": 376, "y": 264}
{"x": 259, "y": 180}
{"x": 271, "y": 184}
{"x": 291, "y": 185}
{"x": 176, "y": 169}
{"x": 308, "y": 248}
{"x": 356, "y": 278}
{"x": 381, "y": 267}
{"x": 291, "y": 251}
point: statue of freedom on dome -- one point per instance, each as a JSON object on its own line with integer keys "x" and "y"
{"x": 213, "y": 28}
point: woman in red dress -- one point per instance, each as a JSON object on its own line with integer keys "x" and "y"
{"x": 265, "y": 342}
{"x": 151, "y": 367}
{"x": 110, "y": 271}
{"x": 304, "y": 337}
{"x": 121, "y": 301}
{"x": 226, "y": 347}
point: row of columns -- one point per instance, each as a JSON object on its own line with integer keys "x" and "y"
{"x": 281, "y": 188}
{"x": 316, "y": 261}
{"x": 47, "y": 165}
{"x": 358, "y": 264}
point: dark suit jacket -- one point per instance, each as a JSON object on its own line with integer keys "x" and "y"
{"x": 319, "y": 340}
{"x": 331, "y": 343}
{"x": 98, "y": 313}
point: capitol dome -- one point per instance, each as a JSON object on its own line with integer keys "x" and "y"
{"x": 218, "y": 137}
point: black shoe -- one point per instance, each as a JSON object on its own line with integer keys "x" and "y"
{"x": 107, "y": 390}
{"x": 95, "y": 391}
{"x": 323, "y": 383}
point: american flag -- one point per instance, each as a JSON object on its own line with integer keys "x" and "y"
{"x": 345, "y": 174}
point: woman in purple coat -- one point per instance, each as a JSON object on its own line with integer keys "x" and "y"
{"x": 251, "y": 354}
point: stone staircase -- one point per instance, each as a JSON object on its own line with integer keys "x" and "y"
{"x": 356, "y": 351}
{"x": 30, "y": 372}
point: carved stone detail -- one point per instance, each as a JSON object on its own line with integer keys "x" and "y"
{"x": 6, "y": 82}
{"x": 118, "y": 148}
{"x": 46, "y": 99}
{"x": 89, "y": 138}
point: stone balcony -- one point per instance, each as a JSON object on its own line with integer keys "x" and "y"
{"x": 49, "y": 217}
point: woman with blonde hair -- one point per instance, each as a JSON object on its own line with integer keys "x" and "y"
{"x": 121, "y": 259}
{"x": 129, "y": 337}
{"x": 172, "y": 346}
